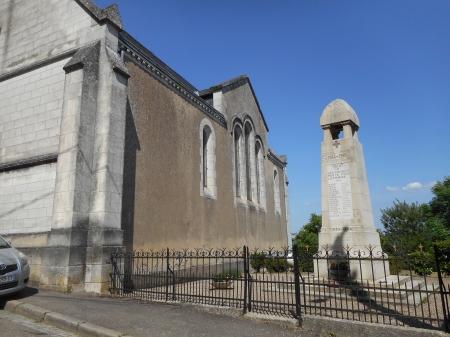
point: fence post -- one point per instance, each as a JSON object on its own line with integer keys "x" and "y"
{"x": 113, "y": 275}
{"x": 297, "y": 285}
{"x": 167, "y": 275}
{"x": 245, "y": 278}
{"x": 442, "y": 289}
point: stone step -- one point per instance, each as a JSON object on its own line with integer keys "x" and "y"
{"x": 410, "y": 292}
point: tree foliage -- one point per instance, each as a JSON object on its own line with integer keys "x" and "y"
{"x": 309, "y": 234}
{"x": 440, "y": 204}
{"x": 408, "y": 226}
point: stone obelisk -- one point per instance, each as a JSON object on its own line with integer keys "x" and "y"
{"x": 347, "y": 219}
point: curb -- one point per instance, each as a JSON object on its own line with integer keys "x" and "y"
{"x": 322, "y": 325}
{"x": 60, "y": 321}
{"x": 348, "y": 328}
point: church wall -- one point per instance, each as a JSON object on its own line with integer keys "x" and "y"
{"x": 162, "y": 205}
{"x": 26, "y": 199}
{"x": 37, "y": 40}
{"x": 36, "y": 30}
{"x": 240, "y": 103}
{"x": 30, "y": 112}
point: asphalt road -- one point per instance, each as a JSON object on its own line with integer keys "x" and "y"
{"x": 144, "y": 319}
{"x": 12, "y": 325}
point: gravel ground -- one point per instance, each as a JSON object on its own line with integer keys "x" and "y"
{"x": 274, "y": 294}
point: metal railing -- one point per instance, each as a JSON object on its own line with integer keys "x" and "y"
{"x": 369, "y": 286}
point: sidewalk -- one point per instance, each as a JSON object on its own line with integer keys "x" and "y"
{"x": 141, "y": 318}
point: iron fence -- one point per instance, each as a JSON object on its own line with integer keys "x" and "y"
{"x": 370, "y": 286}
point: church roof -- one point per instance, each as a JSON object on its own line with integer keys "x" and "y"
{"x": 110, "y": 13}
{"x": 233, "y": 81}
{"x": 338, "y": 111}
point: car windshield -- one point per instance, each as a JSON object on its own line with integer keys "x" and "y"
{"x": 3, "y": 243}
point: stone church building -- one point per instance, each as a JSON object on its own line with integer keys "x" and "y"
{"x": 104, "y": 147}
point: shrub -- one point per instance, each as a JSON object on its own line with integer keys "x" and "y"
{"x": 228, "y": 274}
{"x": 422, "y": 263}
{"x": 396, "y": 264}
{"x": 306, "y": 265}
{"x": 443, "y": 255}
{"x": 257, "y": 261}
{"x": 339, "y": 265}
{"x": 275, "y": 265}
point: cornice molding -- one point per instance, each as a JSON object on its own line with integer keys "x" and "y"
{"x": 38, "y": 64}
{"x": 28, "y": 162}
{"x": 274, "y": 158}
{"x": 347, "y": 122}
{"x": 156, "y": 71}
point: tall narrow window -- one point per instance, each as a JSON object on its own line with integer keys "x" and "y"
{"x": 258, "y": 174}
{"x": 248, "y": 160}
{"x": 208, "y": 159}
{"x": 276, "y": 191}
{"x": 205, "y": 155}
{"x": 237, "y": 159}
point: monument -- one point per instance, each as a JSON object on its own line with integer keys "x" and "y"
{"x": 347, "y": 219}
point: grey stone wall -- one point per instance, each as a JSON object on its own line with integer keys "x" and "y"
{"x": 30, "y": 113}
{"x": 26, "y": 199}
{"x": 33, "y": 30}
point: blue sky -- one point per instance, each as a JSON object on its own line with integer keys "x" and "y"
{"x": 390, "y": 60}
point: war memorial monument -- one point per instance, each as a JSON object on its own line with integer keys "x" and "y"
{"x": 347, "y": 219}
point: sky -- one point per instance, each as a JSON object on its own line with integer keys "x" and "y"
{"x": 389, "y": 59}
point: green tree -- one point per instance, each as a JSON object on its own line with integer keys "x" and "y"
{"x": 409, "y": 226}
{"x": 440, "y": 204}
{"x": 309, "y": 234}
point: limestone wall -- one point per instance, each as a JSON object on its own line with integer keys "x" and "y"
{"x": 35, "y": 30}
{"x": 30, "y": 113}
{"x": 26, "y": 199}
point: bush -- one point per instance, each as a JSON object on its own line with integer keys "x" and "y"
{"x": 339, "y": 265}
{"x": 257, "y": 261}
{"x": 228, "y": 274}
{"x": 306, "y": 265}
{"x": 396, "y": 264}
{"x": 422, "y": 263}
{"x": 275, "y": 265}
{"x": 443, "y": 255}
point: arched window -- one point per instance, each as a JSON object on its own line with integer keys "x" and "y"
{"x": 249, "y": 160}
{"x": 239, "y": 169}
{"x": 258, "y": 182}
{"x": 208, "y": 160}
{"x": 260, "y": 177}
{"x": 276, "y": 191}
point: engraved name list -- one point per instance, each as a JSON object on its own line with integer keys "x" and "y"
{"x": 340, "y": 203}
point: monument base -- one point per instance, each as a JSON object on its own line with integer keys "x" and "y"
{"x": 366, "y": 261}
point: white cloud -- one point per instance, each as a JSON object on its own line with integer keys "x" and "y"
{"x": 306, "y": 204}
{"x": 392, "y": 189}
{"x": 430, "y": 185}
{"x": 412, "y": 186}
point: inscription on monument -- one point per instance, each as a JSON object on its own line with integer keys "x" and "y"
{"x": 340, "y": 203}
{"x": 339, "y": 156}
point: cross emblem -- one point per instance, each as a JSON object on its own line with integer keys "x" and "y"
{"x": 336, "y": 144}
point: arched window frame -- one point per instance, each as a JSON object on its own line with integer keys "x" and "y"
{"x": 239, "y": 163}
{"x": 260, "y": 174}
{"x": 250, "y": 162}
{"x": 208, "y": 186}
{"x": 276, "y": 191}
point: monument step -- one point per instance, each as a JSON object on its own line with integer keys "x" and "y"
{"x": 391, "y": 281}
{"x": 411, "y": 292}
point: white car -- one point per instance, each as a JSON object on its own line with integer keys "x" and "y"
{"x": 14, "y": 269}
